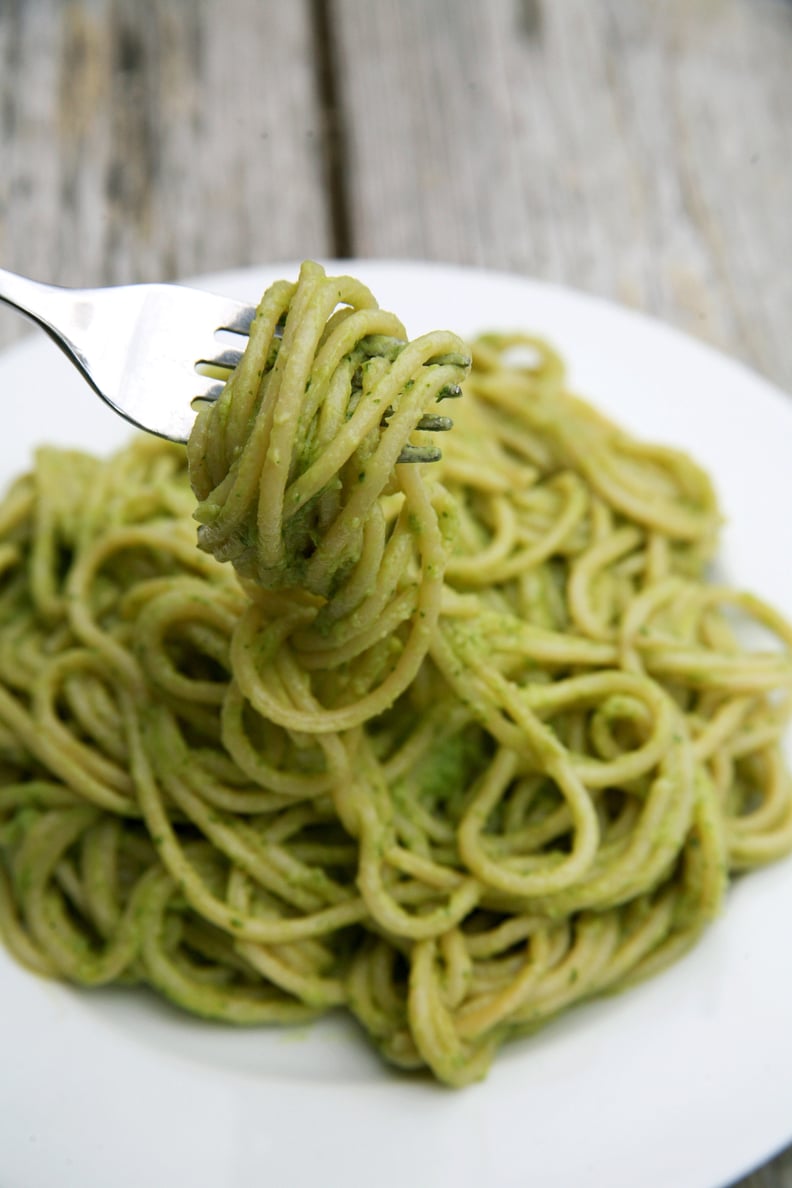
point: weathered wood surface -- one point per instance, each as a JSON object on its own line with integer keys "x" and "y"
{"x": 642, "y": 151}
{"x": 637, "y": 150}
{"x": 153, "y": 140}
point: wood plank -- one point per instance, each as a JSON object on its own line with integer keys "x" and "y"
{"x": 776, "y": 1174}
{"x": 151, "y": 141}
{"x": 638, "y": 151}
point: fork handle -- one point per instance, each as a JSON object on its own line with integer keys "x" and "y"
{"x": 52, "y": 307}
{"x": 65, "y": 314}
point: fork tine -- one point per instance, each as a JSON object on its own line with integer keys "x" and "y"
{"x": 228, "y": 358}
{"x": 412, "y": 453}
{"x": 240, "y": 321}
{"x": 409, "y": 453}
{"x": 450, "y": 392}
{"x": 433, "y": 423}
{"x": 211, "y": 391}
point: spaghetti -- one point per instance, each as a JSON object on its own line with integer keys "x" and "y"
{"x": 456, "y": 747}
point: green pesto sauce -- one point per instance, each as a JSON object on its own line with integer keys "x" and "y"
{"x": 445, "y": 772}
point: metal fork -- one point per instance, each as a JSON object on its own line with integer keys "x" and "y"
{"x": 140, "y": 348}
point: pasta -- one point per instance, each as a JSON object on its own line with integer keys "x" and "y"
{"x": 451, "y": 746}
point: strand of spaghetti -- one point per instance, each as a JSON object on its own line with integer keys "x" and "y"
{"x": 52, "y": 757}
{"x": 248, "y": 1005}
{"x": 495, "y": 565}
{"x": 251, "y": 677}
{"x": 556, "y": 870}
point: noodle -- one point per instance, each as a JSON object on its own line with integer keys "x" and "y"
{"x": 452, "y": 746}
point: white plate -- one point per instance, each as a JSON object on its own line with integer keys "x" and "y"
{"x": 685, "y": 1082}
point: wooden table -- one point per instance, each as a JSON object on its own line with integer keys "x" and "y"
{"x": 638, "y": 149}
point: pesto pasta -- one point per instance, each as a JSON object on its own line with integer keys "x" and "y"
{"x": 450, "y": 746}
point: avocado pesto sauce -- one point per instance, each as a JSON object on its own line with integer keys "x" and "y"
{"x": 452, "y": 746}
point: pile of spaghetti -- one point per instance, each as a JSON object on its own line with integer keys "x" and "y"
{"x": 452, "y": 746}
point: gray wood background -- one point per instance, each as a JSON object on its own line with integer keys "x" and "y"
{"x": 638, "y": 149}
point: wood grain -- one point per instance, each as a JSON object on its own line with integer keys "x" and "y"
{"x": 155, "y": 140}
{"x": 638, "y": 151}
{"x": 776, "y": 1174}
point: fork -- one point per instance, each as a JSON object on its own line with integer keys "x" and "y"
{"x": 140, "y": 347}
